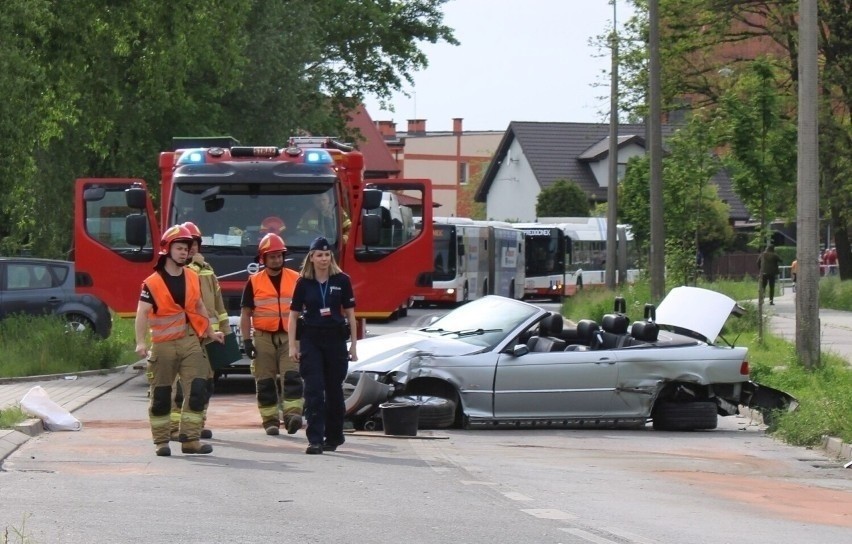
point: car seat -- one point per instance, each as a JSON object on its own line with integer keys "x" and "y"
{"x": 614, "y": 331}
{"x": 547, "y": 340}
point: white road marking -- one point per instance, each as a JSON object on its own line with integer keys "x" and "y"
{"x": 476, "y": 482}
{"x": 549, "y": 513}
{"x": 630, "y": 536}
{"x": 516, "y": 496}
{"x": 585, "y": 535}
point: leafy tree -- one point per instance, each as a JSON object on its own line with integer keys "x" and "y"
{"x": 99, "y": 87}
{"x": 695, "y": 219}
{"x": 761, "y": 145}
{"x": 562, "y": 199}
{"x": 707, "y": 43}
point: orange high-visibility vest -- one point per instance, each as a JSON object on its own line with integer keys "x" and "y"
{"x": 169, "y": 321}
{"x": 271, "y": 308}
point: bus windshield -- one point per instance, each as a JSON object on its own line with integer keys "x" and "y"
{"x": 445, "y": 253}
{"x": 232, "y": 216}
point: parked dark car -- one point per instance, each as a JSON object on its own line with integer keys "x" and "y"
{"x": 43, "y": 286}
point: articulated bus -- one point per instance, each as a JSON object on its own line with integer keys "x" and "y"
{"x": 545, "y": 260}
{"x": 506, "y": 260}
{"x": 473, "y": 259}
{"x": 461, "y": 260}
{"x": 585, "y": 241}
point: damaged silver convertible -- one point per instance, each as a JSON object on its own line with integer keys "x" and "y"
{"x": 497, "y": 361}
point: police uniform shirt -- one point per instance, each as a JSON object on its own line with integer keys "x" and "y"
{"x": 310, "y": 296}
{"x": 175, "y": 284}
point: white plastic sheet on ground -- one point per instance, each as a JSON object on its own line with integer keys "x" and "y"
{"x": 36, "y": 402}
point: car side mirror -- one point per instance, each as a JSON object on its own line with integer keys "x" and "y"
{"x": 520, "y": 350}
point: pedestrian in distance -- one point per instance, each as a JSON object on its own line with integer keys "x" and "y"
{"x": 170, "y": 305}
{"x": 266, "y": 311}
{"x": 794, "y": 272}
{"x": 768, "y": 263}
{"x": 324, "y": 306}
{"x": 211, "y": 296}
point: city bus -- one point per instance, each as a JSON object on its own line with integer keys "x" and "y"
{"x": 545, "y": 260}
{"x": 461, "y": 262}
{"x": 585, "y": 251}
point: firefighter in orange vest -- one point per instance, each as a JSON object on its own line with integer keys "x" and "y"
{"x": 266, "y": 309}
{"x": 211, "y": 296}
{"x": 170, "y": 304}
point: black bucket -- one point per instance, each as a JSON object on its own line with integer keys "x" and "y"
{"x": 400, "y": 418}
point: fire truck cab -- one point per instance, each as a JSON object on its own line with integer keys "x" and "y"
{"x": 236, "y": 194}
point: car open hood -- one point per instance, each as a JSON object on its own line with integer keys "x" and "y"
{"x": 384, "y": 353}
{"x": 701, "y": 311}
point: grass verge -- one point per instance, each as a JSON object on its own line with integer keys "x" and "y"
{"x": 11, "y": 416}
{"x": 34, "y": 346}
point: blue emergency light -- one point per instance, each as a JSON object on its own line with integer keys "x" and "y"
{"x": 318, "y": 156}
{"x": 193, "y": 156}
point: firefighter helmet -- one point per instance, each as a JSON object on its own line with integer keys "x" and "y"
{"x": 176, "y": 233}
{"x": 193, "y": 230}
{"x": 272, "y": 224}
{"x": 269, "y": 244}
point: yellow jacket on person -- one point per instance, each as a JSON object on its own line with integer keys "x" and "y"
{"x": 211, "y": 293}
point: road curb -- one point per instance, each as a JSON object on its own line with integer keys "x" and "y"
{"x": 30, "y": 427}
{"x": 48, "y": 377}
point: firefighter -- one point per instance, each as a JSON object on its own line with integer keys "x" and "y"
{"x": 266, "y": 308}
{"x": 170, "y": 304}
{"x": 211, "y": 296}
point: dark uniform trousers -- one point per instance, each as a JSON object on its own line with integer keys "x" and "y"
{"x": 323, "y": 365}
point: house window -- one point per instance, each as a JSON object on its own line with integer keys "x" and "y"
{"x": 464, "y": 170}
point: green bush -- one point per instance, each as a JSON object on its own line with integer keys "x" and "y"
{"x": 835, "y": 294}
{"x": 36, "y": 345}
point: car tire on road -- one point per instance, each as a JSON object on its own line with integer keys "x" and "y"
{"x": 685, "y": 416}
{"x": 434, "y": 413}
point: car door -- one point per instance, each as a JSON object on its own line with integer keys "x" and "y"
{"x": 558, "y": 384}
{"x": 30, "y": 288}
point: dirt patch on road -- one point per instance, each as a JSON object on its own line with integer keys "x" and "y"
{"x": 786, "y": 499}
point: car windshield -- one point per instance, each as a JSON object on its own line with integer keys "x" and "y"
{"x": 483, "y": 322}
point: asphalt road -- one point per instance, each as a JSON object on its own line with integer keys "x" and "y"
{"x": 105, "y": 484}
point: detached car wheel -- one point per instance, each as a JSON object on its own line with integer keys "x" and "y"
{"x": 685, "y": 416}
{"x": 434, "y": 412}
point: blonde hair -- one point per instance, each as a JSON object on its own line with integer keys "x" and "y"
{"x": 307, "y": 270}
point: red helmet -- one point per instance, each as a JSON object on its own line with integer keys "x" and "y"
{"x": 272, "y": 224}
{"x": 176, "y": 233}
{"x": 193, "y": 230}
{"x": 269, "y": 244}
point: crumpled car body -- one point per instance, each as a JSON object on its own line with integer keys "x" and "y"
{"x": 498, "y": 361}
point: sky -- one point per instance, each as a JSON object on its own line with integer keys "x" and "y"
{"x": 519, "y": 60}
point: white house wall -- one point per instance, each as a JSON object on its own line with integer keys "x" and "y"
{"x": 601, "y": 169}
{"x": 513, "y": 193}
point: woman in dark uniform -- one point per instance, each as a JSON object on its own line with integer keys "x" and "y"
{"x": 324, "y": 301}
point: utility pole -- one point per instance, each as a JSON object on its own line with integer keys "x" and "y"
{"x": 612, "y": 188}
{"x": 807, "y": 191}
{"x": 657, "y": 259}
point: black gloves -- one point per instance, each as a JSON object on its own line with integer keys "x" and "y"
{"x": 251, "y": 352}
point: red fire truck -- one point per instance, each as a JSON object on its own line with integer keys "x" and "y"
{"x": 236, "y": 194}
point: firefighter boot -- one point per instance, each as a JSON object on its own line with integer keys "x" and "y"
{"x": 293, "y": 423}
{"x": 162, "y": 450}
{"x": 195, "y": 447}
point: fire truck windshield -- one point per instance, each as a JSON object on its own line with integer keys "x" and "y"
{"x": 234, "y": 217}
